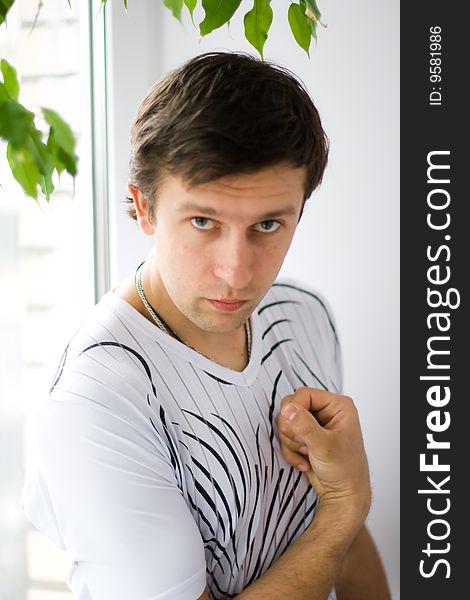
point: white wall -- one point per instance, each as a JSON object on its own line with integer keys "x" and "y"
{"x": 347, "y": 245}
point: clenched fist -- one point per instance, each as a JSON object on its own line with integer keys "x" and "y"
{"x": 320, "y": 434}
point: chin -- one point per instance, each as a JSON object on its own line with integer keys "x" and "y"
{"x": 221, "y": 327}
{"x": 221, "y": 323}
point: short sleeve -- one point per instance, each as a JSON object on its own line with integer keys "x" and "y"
{"x": 104, "y": 493}
{"x": 332, "y": 343}
{"x": 318, "y": 319}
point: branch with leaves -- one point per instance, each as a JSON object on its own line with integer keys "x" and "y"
{"x": 303, "y": 17}
{"x": 33, "y": 161}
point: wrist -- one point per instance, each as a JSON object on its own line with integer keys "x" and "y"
{"x": 339, "y": 520}
{"x": 350, "y": 507}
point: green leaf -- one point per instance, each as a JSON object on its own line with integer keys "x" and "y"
{"x": 62, "y": 131}
{"x": 47, "y": 187}
{"x": 43, "y": 158}
{"x": 312, "y": 13}
{"x": 313, "y": 25}
{"x": 15, "y": 122}
{"x": 68, "y": 160}
{"x": 5, "y": 6}
{"x": 257, "y": 23}
{"x": 39, "y": 152}
{"x": 175, "y": 6}
{"x": 300, "y": 26}
{"x": 54, "y": 152}
{"x": 191, "y": 5}
{"x": 61, "y": 143}
{"x": 10, "y": 79}
{"x": 4, "y": 95}
{"x": 312, "y": 5}
{"x": 61, "y": 158}
{"x": 218, "y": 12}
{"x": 24, "y": 170}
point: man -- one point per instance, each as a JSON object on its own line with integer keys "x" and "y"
{"x": 162, "y": 462}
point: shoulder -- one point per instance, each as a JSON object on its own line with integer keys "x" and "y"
{"x": 104, "y": 368}
{"x": 109, "y": 341}
{"x": 303, "y": 314}
{"x": 301, "y": 302}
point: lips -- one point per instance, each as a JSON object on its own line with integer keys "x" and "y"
{"x": 227, "y": 305}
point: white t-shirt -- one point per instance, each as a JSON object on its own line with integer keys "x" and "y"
{"x": 159, "y": 471}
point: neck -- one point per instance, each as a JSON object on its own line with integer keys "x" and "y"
{"x": 230, "y": 349}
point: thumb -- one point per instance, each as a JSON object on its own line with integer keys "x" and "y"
{"x": 302, "y": 422}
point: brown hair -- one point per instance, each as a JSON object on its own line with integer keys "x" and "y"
{"x": 224, "y": 113}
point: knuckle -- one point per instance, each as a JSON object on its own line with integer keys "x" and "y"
{"x": 287, "y": 448}
{"x": 286, "y": 400}
{"x": 289, "y": 456}
{"x": 302, "y": 425}
{"x": 348, "y": 403}
{"x": 303, "y": 395}
{"x": 283, "y": 426}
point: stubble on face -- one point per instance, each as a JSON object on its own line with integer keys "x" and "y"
{"x": 183, "y": 279}
{"x": 193, "y": 306}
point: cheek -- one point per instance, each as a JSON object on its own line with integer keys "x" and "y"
{"x": 278, "y": 248}
{"x": 269, "y": 258}
{"x": 192, "y": 262}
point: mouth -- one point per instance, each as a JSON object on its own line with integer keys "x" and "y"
{"x": 227, "y": 305}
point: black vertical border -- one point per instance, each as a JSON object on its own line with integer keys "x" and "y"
{"x": 426, "y": 128}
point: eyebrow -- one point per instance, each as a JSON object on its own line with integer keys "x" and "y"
{"x": 209, "y": 210}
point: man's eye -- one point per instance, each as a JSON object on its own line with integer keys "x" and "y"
{"x": 267, "y": 226}
{"x": 202, "y": 223}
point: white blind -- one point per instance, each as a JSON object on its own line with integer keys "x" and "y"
{"x": 46, "y": 271}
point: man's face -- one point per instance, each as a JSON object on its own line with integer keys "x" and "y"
{"x": 219, "y": 246}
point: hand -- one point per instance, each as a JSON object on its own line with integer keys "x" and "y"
{"x": 320, "y": 434}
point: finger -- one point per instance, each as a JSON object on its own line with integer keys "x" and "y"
{"x": 294, "y": 445}
{"x": 285, "y": 430}
{"x": 296, "y": 460}
{"x": 291, "y": 414}
{"x": 305, "y": 426}
{"x": 329, "y": 409}
{"x": 301, "y": 398}
{"x": 340, "y": 414}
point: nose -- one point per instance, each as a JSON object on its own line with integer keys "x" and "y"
{"x": 234, "y": 261}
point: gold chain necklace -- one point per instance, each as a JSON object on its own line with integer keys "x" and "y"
{"x": 164, "y": 327}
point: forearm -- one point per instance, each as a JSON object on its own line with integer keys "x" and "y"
{"x": 362, "y": 576}
{"x": 309, "y": 567}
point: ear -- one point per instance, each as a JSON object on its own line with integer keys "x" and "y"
{"x": 142, "y": 209}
